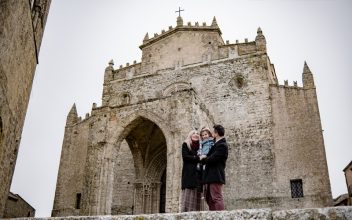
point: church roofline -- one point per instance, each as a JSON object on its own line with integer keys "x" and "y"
{"x": 350, "y": 164}
{"x": 18, "y": 197}
{"x": 180, "y": 28}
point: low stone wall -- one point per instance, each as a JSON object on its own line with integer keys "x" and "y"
{"x": 335, "y": 213}
{"x": 338, "y": 213}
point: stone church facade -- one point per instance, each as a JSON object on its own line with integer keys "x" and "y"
{"x": 22, "y": 24}
{"x": 125, "y": 156}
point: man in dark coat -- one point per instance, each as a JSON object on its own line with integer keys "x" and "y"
{"x": 214, "y": 176}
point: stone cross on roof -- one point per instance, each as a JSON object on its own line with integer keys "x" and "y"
{"x": 179, "y": 11}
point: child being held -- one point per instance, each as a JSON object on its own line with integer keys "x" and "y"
{"x": 206, "y": 142}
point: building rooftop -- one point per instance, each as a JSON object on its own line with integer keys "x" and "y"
{"x": 350, "y": 164}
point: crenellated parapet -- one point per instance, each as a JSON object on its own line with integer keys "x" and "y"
{"x": 248, "y": 47}
{"x": 73, "y": 119}
{"x": 128, "y": 71}
{"x": 307, "y": 80}
{"x": 180, "y": 27}
{"x": 123, "y": 72}
{"x": 184, "y": 46}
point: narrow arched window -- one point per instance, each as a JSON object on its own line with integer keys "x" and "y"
{"x": 0, "y": 126}
{"x": 78, "y": 200}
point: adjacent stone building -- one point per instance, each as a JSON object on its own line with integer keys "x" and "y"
{"x": 348, "y": 176}
{"x": 17, "y": 207}
{"x": 125, "y": 156}
{"x": 22, "y": 24}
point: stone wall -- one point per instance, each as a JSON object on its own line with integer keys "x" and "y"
{"x": 299, "y": 146}
{"x": 183, "y": 45}
{"x": 124, "y": 179}
{"x": 348, "y": 176}
{"x": 72, "y": 165}
{"x": 331, "y": 213}
{"x": 21, "y": 31}
{"x": 17, "y": 207}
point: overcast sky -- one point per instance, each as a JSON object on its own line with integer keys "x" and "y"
{"x": 81, "y": 36}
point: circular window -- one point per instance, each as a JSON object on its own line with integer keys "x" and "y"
{"x": 125, "y": 98}
{"x": 238, "y": 82}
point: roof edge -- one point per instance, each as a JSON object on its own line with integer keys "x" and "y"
{"x": 347, "y": 166}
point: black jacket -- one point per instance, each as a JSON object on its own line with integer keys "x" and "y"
{"x": 215, "y": 163}
{"x": 190, "y": 176}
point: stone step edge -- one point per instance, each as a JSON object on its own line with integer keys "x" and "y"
{"x": 340, "y": 213}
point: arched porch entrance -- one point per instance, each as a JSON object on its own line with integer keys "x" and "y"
{"x": 140, "y": 170}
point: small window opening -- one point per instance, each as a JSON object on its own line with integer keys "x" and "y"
{"x": 78, "y": 200}
{"x": 239, "y": 81}
{"x": 126, "y": 98}
{"x": 0, "y": 126}
{"x": 1, "y": 135}
{"x": 209, "y": 42}
{"x": 296, "y": 188}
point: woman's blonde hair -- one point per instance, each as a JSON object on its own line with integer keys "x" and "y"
{"x": 188, "y": 140}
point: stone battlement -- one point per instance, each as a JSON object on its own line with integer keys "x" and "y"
{"x": 182, "y": 46}
{"x": 180, "y": 27}
{"x": 228, "y": 52}
{"x": 341, "y": 213}
{"x": 242, "y": 48}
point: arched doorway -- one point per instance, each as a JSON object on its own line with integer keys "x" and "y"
{"x": 139, "y": 170}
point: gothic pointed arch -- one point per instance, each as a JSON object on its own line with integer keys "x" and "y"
{"x": 145, "y": 139}
{"x": 130, "y": 121}
{"x": 175, "y": 87}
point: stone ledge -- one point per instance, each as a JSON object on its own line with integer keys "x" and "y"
{"x": 335, "y": 213}
{"x": 342, "y": 212}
